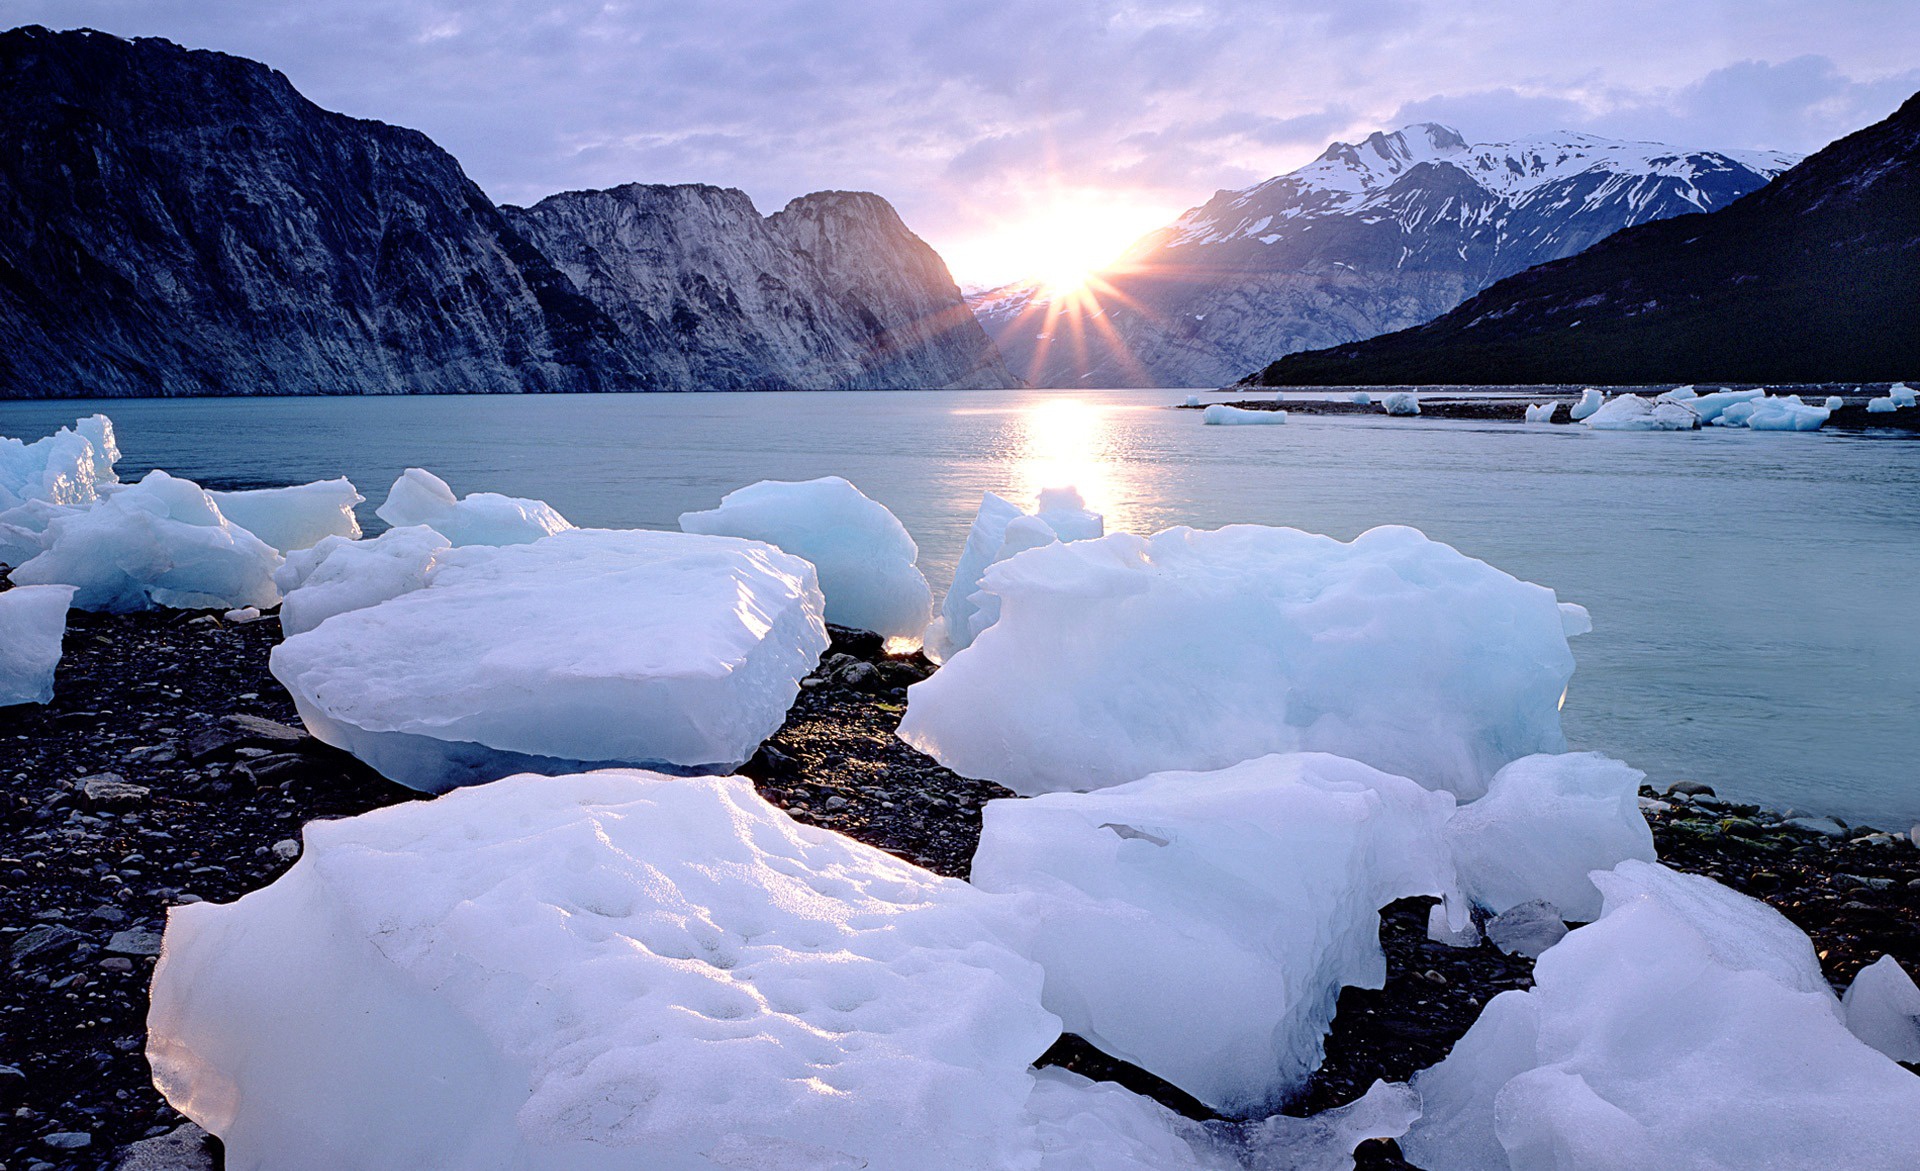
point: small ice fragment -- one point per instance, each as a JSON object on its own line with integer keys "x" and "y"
{"x": 1439, "y": 931}
{"x": 1883, "y": 1009}
{"x": 243, "y": 615}
{"x": 1526, "y": 929}
{"x": 33, "y": 620}
{"x": 1590, "y": 400}
{"x": 1542, "y": 412}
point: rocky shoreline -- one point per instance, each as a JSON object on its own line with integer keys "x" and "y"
{"x": 170, "y": 768}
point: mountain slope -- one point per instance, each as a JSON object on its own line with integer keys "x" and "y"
{"x": 178, "y": 222}
{"x": 1815, "y": 278}
{"x": 1369, "y": 237}
{"x": 833, "y": 292}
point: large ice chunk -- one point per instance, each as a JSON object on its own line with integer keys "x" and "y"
{"x": 63, "y": 473}
{"x": 1882, "y": 406}
{"x": 1221, "y": 414}
{"x": 1401, "y": 402}
{"x": 1786, "y": 413}
{"x": 1544, "y": 823}
{"x": 340, "y": 574}
{"x": 33, "y": 620}
{"x": 1117, "y": 658}
{"x": 864, "y": 556}
{"x": 589, "y": 647}
{"x": 1903, "y": 395}
{"x": 298, "y": 517}
{"x": 1541, "y": 412}
{"x": 617, "y": 970}
{"x": 161, "y": 542}
{"x": 1882, "y": 1006}
{"x": 1590, "y": 401}
{"x": 1630, "y": 412}
{"x": 1690, "y": 1027}
{"x": 1201, "y": 925}
{"x": 419, "y": 497}
{"x": 1000, "y": 530}
{"x": 1708, "y": 408}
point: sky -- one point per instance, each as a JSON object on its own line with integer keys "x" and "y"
{"x": 1022, "y": 135}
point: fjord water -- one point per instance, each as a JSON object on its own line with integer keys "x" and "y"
{"x": 1753, "y": 594}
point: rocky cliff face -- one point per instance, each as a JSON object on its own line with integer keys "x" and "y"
{"x": 1370, "y": 237}
{"x": 1815, "y": 278}
{"x": 175, "y": 222}
{"x": 833, "y": 292}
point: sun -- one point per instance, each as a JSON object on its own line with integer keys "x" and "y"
{"x": 1058, "y": 239}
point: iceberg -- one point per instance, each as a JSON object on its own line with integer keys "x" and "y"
{"x": 1401, "y": 402}
{"x": 1193, "y": 400}
{"x": 161, "y": 542}
{"x": 1189, "y": 650}
{"x": 33, "y": 620}
{"x": 1690, "y": 1026}
{"x": 1786, "y": 413}
{"x": 1201, "y": 925}
{"x": 1902, "y": 395}
{"x": 293, "y": 518}
{"x": 587, "y": 648}
{"x": 1220, "y": 414}
{"x": 1590, "y": 401}
{"x": 64, "y": 473}
{"x": 1882, "y": 1007}
{"x": 1000, "y": 530}
{"x": 340, "y": 574}
{"x": 1542, "y": 412}
{"x": 607, "y": 971}
{"x": 1544, "y": 823}
{"x": 1882, "y": 406}
{"x": 419, "y": 497}
{"x": 865, "y": 559}
{"x": 1361, "y": 398}
{"x": 1835, "y": 402}
{"x": 1630, "y": 412}
{"x": 1709, "y": 407}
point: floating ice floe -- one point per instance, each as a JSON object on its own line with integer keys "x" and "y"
{"x": 1222, "y": 415}
{"x": 1689, "y": 1027}
{"x": 999, "y": 531}
{"x": 1401, "y": 402}
{"x": 1903, "y": 395}
{"x": 1630, "y": 412}
{"x": 1882, "y": 406}
{"x": 33, "y": 620}
{"x": 1882, "y": 1006}
{"x": 339, "y": 574}
{"x": 1785, "y": 413}
{"x": 613, "y": 970}
{"x": 1542, "y": 412}
{"x": 1193, "y": 400}
{"x": 866, "y": 560}
{"x": 63, "y": 473}
{"x": 1835, "y": 402}
{"x": 1708, "y": 408}
{"x": 1360, "y": 397}
{"x": 419, "y": 497}
{"x": 161, "y": 542}
{"x": 1544, "y": 823}
{"x": 1129, "y": 655}
{"x": 293, "y": 518}
{"x": 587, "y": 648}
{"x": 1590, "y": 401}
{"x": 1201, "y": 925}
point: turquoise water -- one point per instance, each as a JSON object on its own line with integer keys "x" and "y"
{"x": 1753, "y": 595}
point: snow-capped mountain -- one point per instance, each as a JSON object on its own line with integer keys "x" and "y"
{"x": 1369, "y": 237}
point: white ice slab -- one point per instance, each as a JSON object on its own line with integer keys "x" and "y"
{"x": 33, "y": 620}
{"x": 61, "y": 473}
{"x": 297, "y": 517}
{"x": 419, "y": 497}
{"x": 999, "y": 531}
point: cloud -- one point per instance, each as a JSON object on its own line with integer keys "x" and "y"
{"x": 966, "y": 114}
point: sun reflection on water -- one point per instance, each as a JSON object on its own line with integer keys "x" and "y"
{"x": 1069, "y": 443}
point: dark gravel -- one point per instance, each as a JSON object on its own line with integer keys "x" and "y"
{"x": 198, "y": 802}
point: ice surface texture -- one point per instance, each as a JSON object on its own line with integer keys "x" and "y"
{"x": 1689, "y": 1028}
{"x": 1882, "y": 1004}
{"x": 615, "y": 970}
{"x": 294, "y": 518}
{"x": 419, "y": 497}
{"x": 1544, "y": 823}
{"x": 1000, "y": 530}
{"x": 67, "y": 470}
{"x": 1129, "y": 655}
{"x": 1201, "y": 925}
{"x": 589, "y": 647}
{"x": 33, "y": 620}
{"x": 161, "y": 542}
{"x": 866, "y": 560}
{"x": 1222, "y": 415}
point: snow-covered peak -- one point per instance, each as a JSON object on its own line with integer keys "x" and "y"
{"x": 1379, "y": 158}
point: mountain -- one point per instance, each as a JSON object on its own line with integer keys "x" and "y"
{"x": 1815, "y": 278}
{"x": 177, "y": 222}
{"x": 831, "y": 292}
{"x": 1368, "y": 238}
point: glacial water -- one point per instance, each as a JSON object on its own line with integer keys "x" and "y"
{"x": 1756, "y": 624}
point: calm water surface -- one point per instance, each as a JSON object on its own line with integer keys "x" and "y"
{"x": 1753, "y": 595}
